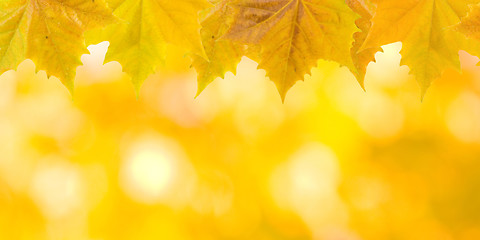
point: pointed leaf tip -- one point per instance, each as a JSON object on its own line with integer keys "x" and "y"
{"x": 292, "y": 45}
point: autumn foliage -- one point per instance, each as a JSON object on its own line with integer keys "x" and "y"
{"x": 330, "y": 162}
{"x": 286, "y": 37}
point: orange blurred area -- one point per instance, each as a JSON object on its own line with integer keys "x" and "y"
{"x": 332, "y": 162}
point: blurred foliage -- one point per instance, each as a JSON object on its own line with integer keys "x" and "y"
{"x": 332, "y": 162}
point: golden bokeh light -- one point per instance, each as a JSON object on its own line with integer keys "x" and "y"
{"x": 331, "y": 162}
{"x": 57, "y": 189}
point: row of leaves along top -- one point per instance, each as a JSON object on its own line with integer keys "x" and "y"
{"x": 286, "y": 37}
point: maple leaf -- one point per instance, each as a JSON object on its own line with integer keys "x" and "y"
{"x": 294, "y": 35}
{"x": 138, "y": 42}
{"x": 470, "y": 25}
{"x": 425, "y": 28}
{"x": 361, "y": 58}
{"x": 223, "y": 55}
{"x": 49, "y": 32}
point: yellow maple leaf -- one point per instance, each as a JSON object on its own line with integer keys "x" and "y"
{"x": 470, "y": 25}
{"x": 223, "y": 55}
{"x": 294, "y": 34}
{"x": 425, "y": 28}
{"x": 361, "y": 58}
{"x": 138, "y": 42}
{"x": 50, "y": 32}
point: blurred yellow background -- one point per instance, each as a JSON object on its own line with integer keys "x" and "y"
{"x": 333, "y": 162}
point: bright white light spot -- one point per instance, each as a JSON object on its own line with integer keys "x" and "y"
{"x": 93, "y": 70}
{"x": 57, "y": 189}
{"x": 387, "y": 66}
{"x": 311, "y": 174}
{"x": 149, "y": 172}
{"x": 314, "y": 173}
{"x": 308, "y": 185}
